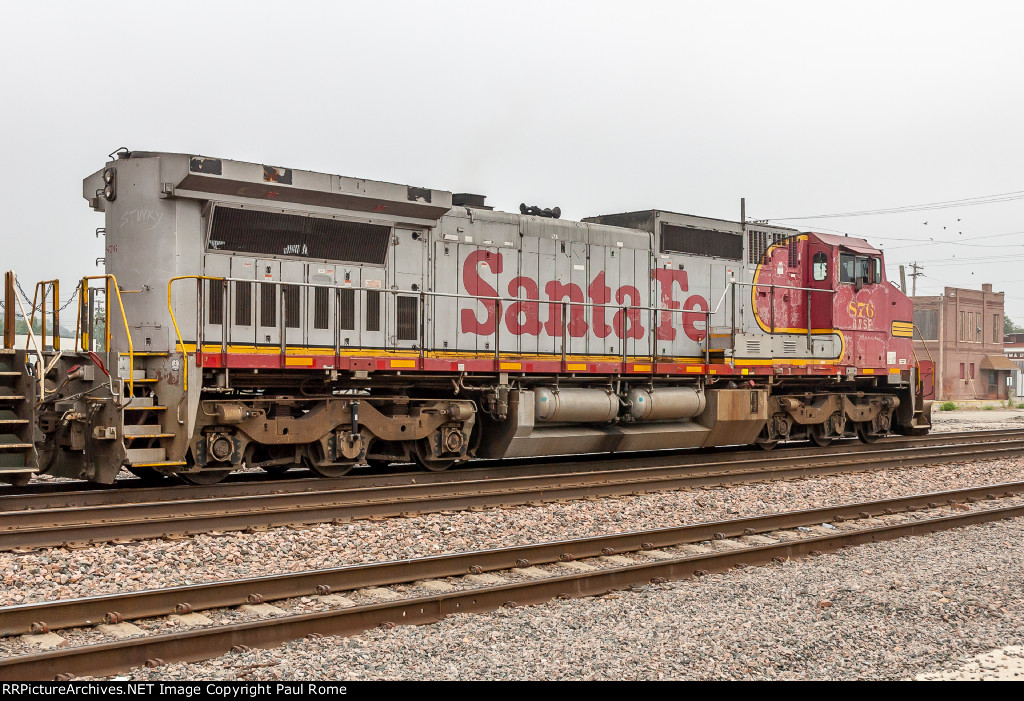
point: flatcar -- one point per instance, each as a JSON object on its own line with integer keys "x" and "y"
{"x": 262, "y": 316}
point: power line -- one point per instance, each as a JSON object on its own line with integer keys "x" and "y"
{"x": 945, "y": 204}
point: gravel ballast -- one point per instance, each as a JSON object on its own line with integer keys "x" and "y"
{"x": 891, "y": 610}
{"x": 868, "y": 612}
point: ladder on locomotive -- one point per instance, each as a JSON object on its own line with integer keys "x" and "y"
{"x": 146, "y": 434}
{"x": 18, "y": 458}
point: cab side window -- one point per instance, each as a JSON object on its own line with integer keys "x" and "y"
{"x": 847, "y": 267}
{"x": 820, "y": 269}
{"x": 877, "y": 265}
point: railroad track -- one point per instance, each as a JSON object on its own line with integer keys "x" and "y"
{"x": 41, "y": 495}
{"x": 580, "y": 567}
{"x": 139, "y": 519}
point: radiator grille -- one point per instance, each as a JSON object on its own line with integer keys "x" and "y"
{"x": 293, "y": 309}
{"x": 243, "y": 304}
{"x": 321, "y": 307}
{"x": 347, "y": 312}
{"x": 408, "y": 315}
{"x": 373, "y": 310}
{"x": 278, "y": 234}
{"x": 758, "y": 243}
{"x": 215, "y": 301}
{"x": 268, "y": 305}
{"x": 701, "y": 242}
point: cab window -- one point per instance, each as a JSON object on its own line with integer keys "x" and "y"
{"x": 820, "y": 266}
{"x": 847, "y": 267}
{"x": 858, "y": 268}
{"x": 877, "y": 264}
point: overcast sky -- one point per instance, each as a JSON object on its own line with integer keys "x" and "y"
{"x": 804, "y": 108}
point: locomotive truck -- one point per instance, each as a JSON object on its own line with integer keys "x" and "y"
{"x": 262, "y": 316}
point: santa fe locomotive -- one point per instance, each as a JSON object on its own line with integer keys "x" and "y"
{"x": 270, "y": 317}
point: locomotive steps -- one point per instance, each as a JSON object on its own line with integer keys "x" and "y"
{"x": 28, "y": 524}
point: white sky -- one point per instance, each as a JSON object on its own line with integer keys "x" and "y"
{"x": 801, "y": 107}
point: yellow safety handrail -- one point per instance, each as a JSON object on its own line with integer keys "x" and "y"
{"x": 56, "y": 311}
{"x": 174, "y": 321}
{"x": 83, "y": 290}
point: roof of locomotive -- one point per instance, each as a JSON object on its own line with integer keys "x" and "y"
{"x": 852, "y": 243}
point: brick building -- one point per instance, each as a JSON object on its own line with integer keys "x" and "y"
{"x": 1013, "y": 347}
{"x": 961, "y": 331}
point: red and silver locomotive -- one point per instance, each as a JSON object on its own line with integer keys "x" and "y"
{"x": 270, "y": 317}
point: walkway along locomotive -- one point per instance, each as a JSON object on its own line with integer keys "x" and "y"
{"x": 272, "y": 317}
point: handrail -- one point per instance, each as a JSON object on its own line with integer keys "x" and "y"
{"x": 83, "y": 290}
{"x": 174, "y": 321}
{"x": 23, "y": 304}
{"x": 563, "y": 303}
{"x": 55, "y": 284}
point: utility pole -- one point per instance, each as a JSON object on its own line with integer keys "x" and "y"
{"x": 918, "y": 270}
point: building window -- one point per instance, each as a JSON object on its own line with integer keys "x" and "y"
{"x": 961, "y": 371}
{"x": 972, "y": 371}
{"x": 996, "y": 328}
{"x": 979, "y": 320}
{"x": 963, "y": 325}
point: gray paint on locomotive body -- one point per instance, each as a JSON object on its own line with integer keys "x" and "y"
{"x": 159, "y": 227}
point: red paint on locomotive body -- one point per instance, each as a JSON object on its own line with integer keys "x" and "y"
{"x": 845, "y": 292}
{"x": 524, "y": 317}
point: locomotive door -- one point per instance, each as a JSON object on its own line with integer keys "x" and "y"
{"x": 321, "y": 310}
{"x": 241, "y": 310}
{"x": 347, "y": 299}
{"x": 442, "y": 332}
{"x": 408, "y": 261}
{"x": 292, "y": 299}
{"x": 820, "y": 274}
{"x": 370, "y": 307}
{"x": 214, "y": 299}
{"x": 268, "y": 302}
{"x": 549, "y": 267}
{"x": 478, "y": 319}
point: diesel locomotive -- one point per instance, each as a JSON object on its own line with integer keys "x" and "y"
{"x": 262, "y": 316}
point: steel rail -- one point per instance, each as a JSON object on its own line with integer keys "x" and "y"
{"x": 50, "y": 495}
{"x": 205, "y": 643}
{"x": 54, "y": 615}
{"x": 56, "y": 527}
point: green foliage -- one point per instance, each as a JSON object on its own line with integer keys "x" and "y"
{"x": 1010, "y": 327}
{"x": 21, "y": 328}
{"x": 947, "y": 406}
{"x": 987, "y": 407}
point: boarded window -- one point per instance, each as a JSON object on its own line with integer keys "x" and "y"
{"x": 321, "y": 307}
{"x": 268, "y": 304}
{"x": 347, "y": 310}
{"x": 215, "y": 301}
{"x": 373, "y": 310}
{"x": 701, "y": 242}
{"x": 927, "y": 323}
{"x": 279, "y": 234}
{"x": 243, "y": 303}
{"x": 293, "y": 308}
{"x": 408, "y": 316}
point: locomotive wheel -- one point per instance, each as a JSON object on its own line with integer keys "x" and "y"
{"x": 314, "y": 460}
{"x": 819, "y": 435}
{"x": 765, "y": 443}
{"x": 205, "y": 477}
{"x": 864, "y": 432}
{"x": 425, "y": 458}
